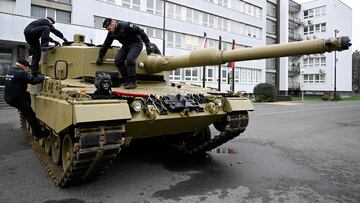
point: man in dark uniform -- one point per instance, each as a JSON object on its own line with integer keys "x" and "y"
{"x": 131, "y": 38}
{"x": 40, "y": 29}
{"x": 16, "y": 82}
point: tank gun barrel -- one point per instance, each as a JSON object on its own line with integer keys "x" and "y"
{"x": 213, "y": 56}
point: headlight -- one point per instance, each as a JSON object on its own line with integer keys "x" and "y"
{"x": 136, "y": 106}
{"x": 218, "y": 102}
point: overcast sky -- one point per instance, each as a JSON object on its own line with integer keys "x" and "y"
{"x": 355, "y": 5}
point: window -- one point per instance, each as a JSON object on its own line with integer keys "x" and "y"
{"x": 306, "y": 63}
{"x": 175, "y": 75}
{"x": 306, "y": 14}
{"x": 63, "y": 16}
{"x": 311, "y": 62}
{"x": 224, "y": 73}
{"x": 323, "y": 27}
{"x": 169, "y": 39}
{"x": 64, "y": 1}
{"x": 306, "y": 30}
{"x": 237, "y": 74}
{"x": 150, "y": 6}
{"x": 58, "y": 15}
{"x": 271, "y": 9}
{"x": 126, "y": 3}
{"x": 192, "y": 74}
{"x": 209, "y": 74}
{"x": 170, "y": 10}
{"x": 317, "y": 62}
{"x": 323, "y": 61}
{"x": 311, "y": 29}
{"x": 136, "y": 4}
{"x": 315, "y": 12}
{"x": 270, "y": 26}
{"x": 314, "y": 78}
{"x": 37, "y": 11}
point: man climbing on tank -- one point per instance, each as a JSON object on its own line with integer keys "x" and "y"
{"x": 16, "y": 81}
{"x": 131, "y": 38}
{"x": 40, "y": 29}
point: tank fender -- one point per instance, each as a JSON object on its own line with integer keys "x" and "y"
{"x": 237, "y": 104}
{"x": 55, "y": 113}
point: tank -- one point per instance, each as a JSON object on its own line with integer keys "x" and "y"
{"x": 90, "y": 118}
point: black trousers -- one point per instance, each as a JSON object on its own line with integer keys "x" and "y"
{"x": 24, "y": 106}
{"x": 125, "y": 60}
{"x": 32, "y": 38}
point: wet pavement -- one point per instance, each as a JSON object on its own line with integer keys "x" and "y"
{"x": 309, "y": 152}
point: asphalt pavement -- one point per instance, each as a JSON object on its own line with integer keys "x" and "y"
{"x": 290, "y": 152}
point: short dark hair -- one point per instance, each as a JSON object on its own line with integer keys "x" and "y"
{"x": 106, "y": 22}
{"x": 51, "y": 19}
{"x": 23, "y": 62}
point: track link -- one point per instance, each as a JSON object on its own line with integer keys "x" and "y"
{"x": 94, "y": 150}
{"x": 235, "y": 124}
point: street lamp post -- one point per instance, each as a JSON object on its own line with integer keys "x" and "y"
{"x": 164, "y": 16}
{"x": 335, "y": 31}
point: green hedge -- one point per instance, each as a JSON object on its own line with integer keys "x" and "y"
{"x": 265, "y": 92}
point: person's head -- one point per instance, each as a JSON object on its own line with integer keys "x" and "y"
{"x": 51, "y": 20}
{"x": 22, "y": 63}
{"x": 109, "y": 24}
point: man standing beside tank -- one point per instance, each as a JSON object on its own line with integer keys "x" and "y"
{"x": 131, "y": 38}
{"x": 40, "y": 29}
{"x": 16, "y": 81}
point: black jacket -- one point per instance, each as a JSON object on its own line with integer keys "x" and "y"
{"x": 126, "y": 33}
{"x": 35, "y": 33}
{"x": 16, "y": 81}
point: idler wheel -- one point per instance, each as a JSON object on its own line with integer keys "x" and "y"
{"x": 56, "y": 148}
{"x": 67, "y": 151}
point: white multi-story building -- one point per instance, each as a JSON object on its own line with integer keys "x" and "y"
{"x": 322, "y": 19}
{"x": 249, "y": 23}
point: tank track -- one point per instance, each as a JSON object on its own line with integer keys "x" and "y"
{"x": 235, "y": 124}
{"x": 94, "y": 149}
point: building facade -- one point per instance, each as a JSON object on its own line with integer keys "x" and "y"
{"x": 249, "y": 23}
{"x": 315, "y": 74}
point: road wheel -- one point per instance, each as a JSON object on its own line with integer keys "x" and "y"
{"x": 56, "y": 147}
{"x": 47, "y": 144}
{"x": 67, "y": 151}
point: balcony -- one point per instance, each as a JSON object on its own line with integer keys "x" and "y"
{"x": 294, "y": 20}
{"x": 294, "y": 36}
{"x": 294, "y": 70}
{"x": 294, "y": 85}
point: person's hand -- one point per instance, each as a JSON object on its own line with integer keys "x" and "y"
{"x": 57, "y": 43}
{"x": 148, "y": 49}
{"x": 65, "y": 40}
{"x": 41, "y": 77}
{"x": 99, "y": 61}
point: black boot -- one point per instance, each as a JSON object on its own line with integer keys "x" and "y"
{"x": 131, "y": 85}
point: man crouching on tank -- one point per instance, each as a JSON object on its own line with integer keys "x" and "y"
{"x": 16, "y": 82}
{"x": 131, "y": 38}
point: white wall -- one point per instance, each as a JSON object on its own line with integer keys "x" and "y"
{"x": 338, "y": 16}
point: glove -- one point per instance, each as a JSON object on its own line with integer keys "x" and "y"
{"x": 41, "y": 77}
{"x": 148, "y": 49}
{"x": 99, "y": 61}
{"x": 65, "y": 40}
{"x": 56, "y": 43}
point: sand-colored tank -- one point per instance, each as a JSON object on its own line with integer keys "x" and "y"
{"x": 90, "y": 118}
